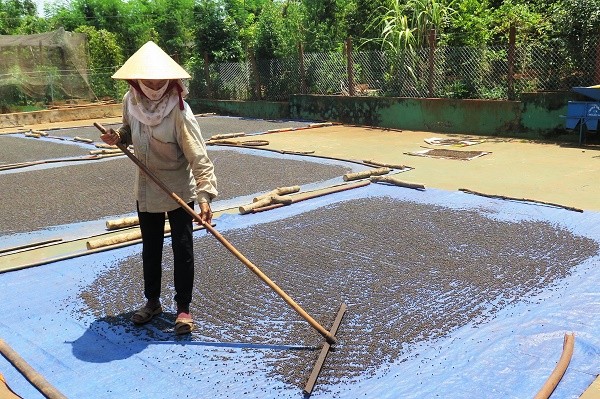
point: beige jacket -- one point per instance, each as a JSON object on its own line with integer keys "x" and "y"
{"x": 175, "y": 152}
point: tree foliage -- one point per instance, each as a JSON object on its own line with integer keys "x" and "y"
{"x": 227, "y": 30}
{"x": 104, "y": 53}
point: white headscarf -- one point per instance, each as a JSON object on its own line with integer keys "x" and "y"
{"x": 151, "y": 106}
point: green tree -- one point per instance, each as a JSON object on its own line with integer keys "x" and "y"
{"x": 430, "y": 15}
{"x": 361, "y": 21}
{"x": 215, "y": 32}
{"x": 245, "y": 14}
{"x": 278, "y": 30}
{"x": 530, "y": 24}
{"x": 322, "y": 27}
{"x": 469, "y": 25}
{"x": 18, "y": 17}
{"x": 171, "y": 21}
{"x": 104, "y": 55}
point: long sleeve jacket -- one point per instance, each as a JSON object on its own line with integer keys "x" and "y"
{"x": 175, "y": 152}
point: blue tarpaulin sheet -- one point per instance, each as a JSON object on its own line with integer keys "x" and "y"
{"x": 509, "y": 356}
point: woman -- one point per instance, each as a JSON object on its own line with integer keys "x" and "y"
{"x": 166, "y": 138}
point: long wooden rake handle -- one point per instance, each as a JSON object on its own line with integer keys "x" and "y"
{"x": 330, "y": 338}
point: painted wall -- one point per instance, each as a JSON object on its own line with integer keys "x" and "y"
{"x": 251, "y": 109}
{"x": 536, "y": 115}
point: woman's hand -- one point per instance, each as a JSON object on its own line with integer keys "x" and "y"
{"x": 110, "y": 137}
{"x": 205, "y": 212}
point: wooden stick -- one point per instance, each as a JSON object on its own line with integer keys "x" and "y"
{"x": 396, "y": 182}
{"x": 560, "y": 369}
{"x": 278, "y": 191}
{"x": 315, "y": 194}
{"x": 312, "y": 379}
{"x": 35, "y": 378}
{"x": 83, "y": 139}
{"x": 256, "y": 204}
{"x": 106, "y": 151}
{"x": 123, "y": 222}
{"x": 326, "y": 334}
{"x": 246, "y": 143}
{"x": 366, "y": 173}
{"x": 466, "y": 190}
{"x": 386, "y": 165}
{"x": 104, "y": 145}
{"x": 265, "y": 201}
{"x": 48, "y": 161}
{"x": 227, "y": 136}
{"x": 96, "y": 243}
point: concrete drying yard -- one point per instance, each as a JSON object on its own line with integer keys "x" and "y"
{"x": 465, "y": 288}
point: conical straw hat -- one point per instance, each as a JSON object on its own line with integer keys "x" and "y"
{"x": 150, "y": 62}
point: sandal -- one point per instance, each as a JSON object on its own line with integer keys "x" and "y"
{"x": 145, "y": 314}
{"x": 184, "y": 324}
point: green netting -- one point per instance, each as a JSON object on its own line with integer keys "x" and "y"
{"x": 44, "y": 67}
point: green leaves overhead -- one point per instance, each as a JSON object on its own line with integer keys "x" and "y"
{"x": 226, "y": 30}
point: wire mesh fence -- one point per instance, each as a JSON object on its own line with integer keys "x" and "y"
{"x": 487, "y": 72}
{"x": 493, "y": 72}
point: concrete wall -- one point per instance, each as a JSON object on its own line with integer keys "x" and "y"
{"x": 60, "y": 115}
{"x": 536, "y": 115}
{"x": 250, "y": 109}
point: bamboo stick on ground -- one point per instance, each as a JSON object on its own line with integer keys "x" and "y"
{"x": 366, "y": 173}
{"x": 570, "y": 208}
{"x": 227, "y": 136}
{"x": 265, "y": 201}
{"x": 96, "y": 243}
{"x": 278, "y": 191}
{"x": 83, "y": 139}
{"x": 314, "y": 194}
{"x": 104, "y": 145}
{"x": 35, "y": 378}
{"x": 386, "y": 165}
{"x": 121, "y": 223}
{"x": 560, "y": 369}
{"x": 248, "y": 143}
{"x": 106, "y": 151}
{"x": 396, "y": 182}
{"x": 136, "y": 234}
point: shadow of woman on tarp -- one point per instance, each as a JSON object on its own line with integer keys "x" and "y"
{"x": 116, "y": 337}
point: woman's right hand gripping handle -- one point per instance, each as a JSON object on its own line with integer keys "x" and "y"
{"x": 110, "y": 137}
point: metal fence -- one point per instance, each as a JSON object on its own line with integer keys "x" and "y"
{"x": 493, "y": 72}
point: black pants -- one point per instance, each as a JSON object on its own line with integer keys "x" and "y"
{"x": 152, "y": 226}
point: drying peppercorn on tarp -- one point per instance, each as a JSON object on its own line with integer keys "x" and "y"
{"x": 487, "y": 330}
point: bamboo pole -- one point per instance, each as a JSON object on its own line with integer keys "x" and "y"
{"x": 315, "y": 194}
{"x": 35, "y": 378}
{"x": 560, "y": 369}
{"x": 365, "y": 174}
{"x": 396, "y": 182}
